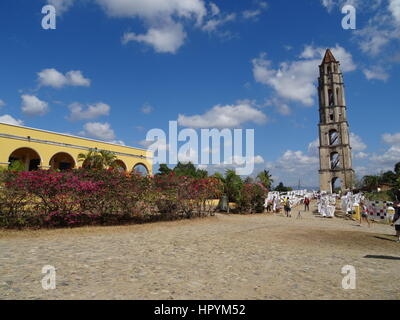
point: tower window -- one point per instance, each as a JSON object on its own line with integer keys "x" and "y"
{"x": 337, "y": 95}
{"x": 335, "y": 161}
{"x": 333, "y": 138}
{"x": 331, "y": 99}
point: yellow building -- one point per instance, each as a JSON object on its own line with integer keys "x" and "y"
{"x": 50, "y": 150}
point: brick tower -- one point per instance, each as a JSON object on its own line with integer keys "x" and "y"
{"x": 335, "y": 150}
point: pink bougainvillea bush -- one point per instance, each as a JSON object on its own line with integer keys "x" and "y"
{"x": 252, "y": 198}
{"x": 100, "y": 197}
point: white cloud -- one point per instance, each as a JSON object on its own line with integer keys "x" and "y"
{"x": 164, "y": 20}
{"x": 328, "y": 4}
{"x": 357, "y": 143}
{"x": 76, "y": 78}
{"x": 254, "y": 13}
{"x": 281, "y": 107}
{"x": 2, "y": 103}
{"x": 166, "y": 39}
{"x": 295, "y": 165}
{"x": 295, "y": 80}
{"x": 154, "y": 10}
{"x": 214, "y": 9}
{"x": 97, "y": 130}
{"x": 228, "y": 116}
{"x": 146, "y": 143}
{"x": 61, "y": 6}
{"x": 147, "y": 108}
{"x": 53, "y": 78}
{"x": 394, "y": 8}
{"x": 359, "y": 4}
{"x": 214, "y": 23}
{"x": 251, "y": 14}
{"x": 381, "y": 30}
{"x": 10, "y": 120}
{"x": 165, "y": 32}
{"x": 373, "y": 38}
{"x": 292, "y": 160}
{"x": 388, "y": 158}
{"x": 119, "y": 142}
{"x": 376, "y": 73}
{"x": 258, "y": 160}
{"x": 391, "y": 138}
{"x": 92, "y": 111}
{"x": 233, "y": 163}
{"x": 313, "y": 148}
{"x": 32, "y": 105}
{"x": 361, "y": 155}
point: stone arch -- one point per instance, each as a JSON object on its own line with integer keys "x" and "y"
{"x": 336, "y": 185}
{"x": 335, "y": 160}
{"x": 120, "y": 165}
{"x": 29, "y": 157}
{"x": 62, "y": 161}
{"x": 141, "y": 168}
{"x": 334, "y": 138}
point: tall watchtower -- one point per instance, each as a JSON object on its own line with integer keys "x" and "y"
{"x": 335, "y": 150}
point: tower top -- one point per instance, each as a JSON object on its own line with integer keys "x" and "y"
{"x": 329, "y": 57}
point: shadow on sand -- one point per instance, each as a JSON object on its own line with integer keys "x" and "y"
{"x": 382, "y": 238}
{"x": 382, "y": 257}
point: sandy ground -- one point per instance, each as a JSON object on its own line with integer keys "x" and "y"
{"x": 222, "y": 257}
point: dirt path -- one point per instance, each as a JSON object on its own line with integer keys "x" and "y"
{"x": 222, "y": 257}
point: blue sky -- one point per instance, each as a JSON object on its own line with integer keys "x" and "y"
{"x": 114, "y": 69}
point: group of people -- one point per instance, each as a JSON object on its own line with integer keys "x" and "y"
{"x": 274, "y": 205}
{"x": 395, "y": 221}
{"x": 287, "y": 205}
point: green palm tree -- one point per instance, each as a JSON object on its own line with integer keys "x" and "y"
{"x": 98, "y": 159}
{"x": 266, "y": 179}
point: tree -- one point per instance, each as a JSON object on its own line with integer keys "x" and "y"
{"x": 388, "y": 177}
{"x": 163, "y": 170}
{"x": 249, "y": 180}
{"x": 371, "y": 182}
{"x": 282, "y": 188}
{"x": 266, "y": 179}
{"x": 397, "y": 169}
{"x": 17, "y": 166}
{"x": 233, "y": 186}
{"x": 219, "y": 176}
{"x": 98, "y": 159}
{"x": 189, "y": 170}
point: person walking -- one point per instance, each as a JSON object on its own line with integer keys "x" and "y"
{"x": 396, "y": 222}
{"x": 269, "y": 206}
{"x": 364, "y": 214}
{"x": 306, "y": 204}
{"x": 288, "y": 209}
